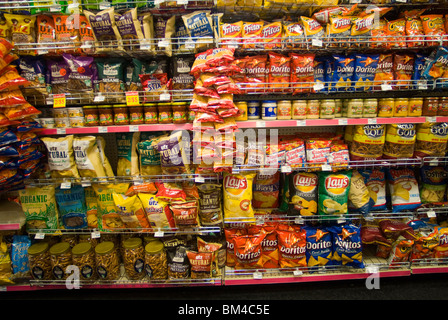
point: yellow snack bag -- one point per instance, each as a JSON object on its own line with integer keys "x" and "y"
{"x": 131, "y": 211}
{"x": 359, "y": 195}
{"x": 106, "y": 164}
{"x": 91, "y": 207}
{"x": 238, "y": 196}
{"x": 61, "y": 160}
{"x": 157, "y": 211}
{"x": 313, "y": 29}
{"x": 108, "y": 215}
{"x": 87, "y": 157}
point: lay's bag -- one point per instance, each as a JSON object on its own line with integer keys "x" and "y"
{"x": 334, "y": 188}
{"x": 237, "y": 196}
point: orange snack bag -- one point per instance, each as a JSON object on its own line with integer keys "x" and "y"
{"x": 279, "y": 72}
{"x": 433, "y": 27}
{"x": 292, "y": 248}
{"x": 269, "y": 254}
{"x": 272, "y": 35}
{"x": 396, "y": 30}
{"x": 256, "y": 69}
{"x": 248, "y": 251}
{"x": 252, "y": 34}
{"x": 231, "y": 34}
{"x": 302, "y": 72}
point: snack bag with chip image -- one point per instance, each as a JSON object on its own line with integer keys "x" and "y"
{"x": 343, "y": 70}
{"x": 303, "y": 191}
{"x": 365, "y": 70}
{"x": 237, "y": 196}
{"x": 404, "y": 189}
{"x": 319, "y": 247}
{"x": 333, "y": 193}
{"x": 347, "y": 245}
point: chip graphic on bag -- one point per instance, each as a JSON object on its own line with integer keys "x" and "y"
{"x": 375, "y": 180}
{"x": 343, "y": 69}
{"x": 347, "y": 245}
{"x": 319, "y": 246}
{"x": 333, "y": 193}
{"x": 403, "y": 189}
{"x": 292, "y": 248}
{"x": 248, "y": 249}
{"x": 303, "y": 192}
{"x": 237, "y": 196}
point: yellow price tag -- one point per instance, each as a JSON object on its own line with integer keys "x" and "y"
{"x": 132, "y": 98}
{"x": 59, "y": 101}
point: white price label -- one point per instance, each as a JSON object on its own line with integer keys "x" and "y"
{"x": 163, "y": 43}
{"x": 159, "y": 234}
{"x": 371, "y": 121}
{"x": 260, "y": 124}
{"x": 299, "y": 220}
{"x": 386, "y": 87}
{"x": 102, "y": 130}
{"x": 342, "y": 122}
{"x": 189, "y": 45}
{"x": 431, "y": 119}
{"x": 371, "y": 269}
{"x": 422, "y": 85}
{"x": 66, "y": 185}
{"x": 301, "y": 123}
{"x": 434, "y": 162}
{"x": 165, "y": 97}
{"x": 55, "y": 9}
{"x": 199, "y": 179}
{"x": 61, "y": 131}
{"x": 104, "y": 5}
{"x": 133, "y": 128}
{"x": 182, "y": 2}
{"x": 99, "y": 98}
{"x": 86, "y": 183}
{"x": 39, "y": 236}
{"x": 258, "y": 275}
{"x": 318, "y": 86}
{"x": 431, "y": 214}
{"x": 326, "y": 167}
{"x": 95, "y": 235}
{"x": 297, "y": 272}
{"x": 286, "y": 168}
{"x": 316, "y": 42}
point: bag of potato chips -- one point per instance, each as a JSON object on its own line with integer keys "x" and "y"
{"x": 333, "y": 192}
{"x": 266, "y": 191}
{"x": 359, "y": 195}
{"x": 303, "y": 191}
{"x": 238, "y": 196}
{"x": 60, "y": 157}
{"x": 403, "y": 189}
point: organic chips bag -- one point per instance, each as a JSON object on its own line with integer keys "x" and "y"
{"x": 108, "y": 215}
{"x": 39, "y": 207}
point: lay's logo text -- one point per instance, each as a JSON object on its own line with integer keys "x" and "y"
{"x": 233, "y": 182}
{"x": 337, "y": 182}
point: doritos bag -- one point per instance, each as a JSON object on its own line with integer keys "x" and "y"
{"x": 302, "y": 72}
{"x": 319, "y": 247}
{"x": 343, "y": 69}
{"x": 347, "y": 245}
{"x": 292, "y": 248}
{"x": 248, "y": 251}
{"x": 365, "y": 70}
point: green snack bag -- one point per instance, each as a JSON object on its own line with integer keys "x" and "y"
{"x": 40, "y": 208}
{"x": 333, "y": 193}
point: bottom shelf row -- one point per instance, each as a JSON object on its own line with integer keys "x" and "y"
{"x": 270, "y": 252}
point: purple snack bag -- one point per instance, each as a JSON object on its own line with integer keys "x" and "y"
{"x": 82, "y": 71}
{"x": 105, "y": 30}
{"x": 58, "y": 75}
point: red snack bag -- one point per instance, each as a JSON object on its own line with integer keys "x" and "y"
{"x": 5, "y": 47}
{"x": 11, "y": 80}
{"x": 379, "y": 36}
{"x": 279, "y": 72}
{"x": 170, "y": 191}
{"x": 384, "y": 71}
{"x": 256, "y": 70}
{"x": 433, "y": 27}
{"x": 185, "y": 214}
{"x": 292, "y": 248}
{"x": 230, "y": 234}
{"x": 199, "y": 64}
{"x": 208, "y": 117}
{"x": 220, "y": 56}
{"x": 240, "y": 77}
{"x": 248, "y": 251}
{"x": 210, "y": 79}
{"x": 414, "y": 29}
{"x": 11, "y": 98}
{"x": 201, "y": 264}
{"x": 20, "y": 111}
{"x": 231, "y": 34}
{"x": 269, "y": 254}
{"x": 403, "y": 70}
{"x": 201, "y": 90}
{"x": 302, "y": 72}
{"x": 225, "y": 101}
{"x": 230, "y": 87}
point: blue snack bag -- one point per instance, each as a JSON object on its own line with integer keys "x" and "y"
{"x": 319, "y": 247}
{"x": 19, "y": 255}
{"x": 365, "y": 69}
{"x": 347, "y": 245}
{"x": 319, "y": 73}
{"x": 344, "y": 67}
{"x": 72, "y": 207}
{"x": 419, "y": 65}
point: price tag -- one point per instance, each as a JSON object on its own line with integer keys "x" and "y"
{"x": 182, "y": 2}
{"x": 165, "y": 97}
{"x": 73, "y": 6}
{"x": 132, "y": 98}
{"x": 258, "y": 275}
{"x": 61, "y": 131}
{"x": 318, "y": 86}
{"x": 371, "y": 121}
{"x": 104, "y": 5}
{"x": 163, "y": 43}
{"x": 39, "y": 236}
{"x": 316, "y": 42}
{"x": 199, "y": 179}
{"x": 102, "y": 130}
{"x": 66, "y": 185}
{"x": 326, "y": 167}
{"x": 299, "y": 220}
{"x": 99, "y": 98}
{"x": 301, "y": 123}
{"x": 261, "y": 124}
{"x": 286, "y": 169}
{"x": 297, "y": 272}
{"x": 158, "y": 234}
{"x": 386, "y": 87}
{"x": 133, "y": 128}
{"x": 433, "y": 162}
{"x": 372, "y": 269}
{"x": 59, "y": 101}
{"x": 342, "y": 122}
{"x": 431, "y": 214}
{"x": 86, "y": 183}
{"x": 431, "y": 119}
{"x": 95, "y": 234}
{"x": 145, "y": 45}
{"x": 422, "y": 85}
{"x": 189, "y": 45}
{"x": 55, "y": 9}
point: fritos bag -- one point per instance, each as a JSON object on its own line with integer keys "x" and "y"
{"x": 231, "y": 34}
{"x": 272, "y": 35}
{"x": 252, "y": 34}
